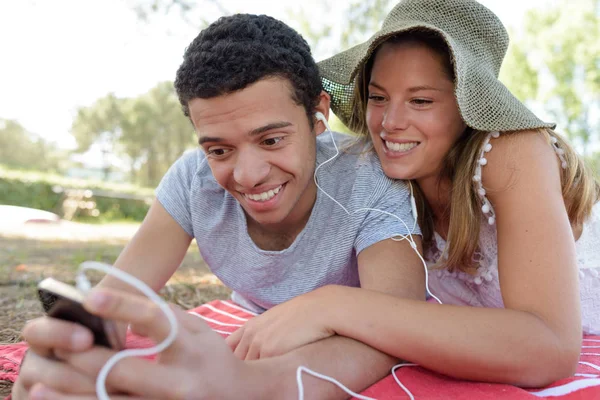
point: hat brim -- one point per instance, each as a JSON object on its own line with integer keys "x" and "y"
{"x": 484, "y": 102}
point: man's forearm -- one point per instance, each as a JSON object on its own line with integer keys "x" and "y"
{"x": 354, "y": 364}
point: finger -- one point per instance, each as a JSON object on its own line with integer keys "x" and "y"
{"x": 91, "y": 362}
{"x": 45, "y": 333}
{"x": 42, "y": 392}
{"x": 253, "y": 352}
{"x": 233, "y": 340}
{"x": 55, "y": 374}
{"x": 184, "y": 319}
{"x": 142, "y": 314}
{"x": 130, "y": 375}
{"x": 242, "y": 348}
{"x": 92, "y": 365}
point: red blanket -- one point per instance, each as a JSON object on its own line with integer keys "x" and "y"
{"x": 225, "y": 317}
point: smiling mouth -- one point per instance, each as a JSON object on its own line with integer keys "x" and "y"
{"x": 400, "y": 147}
{"x": 264, "y": 196}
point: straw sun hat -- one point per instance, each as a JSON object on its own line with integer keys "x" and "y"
{"x": 477, "y": 41}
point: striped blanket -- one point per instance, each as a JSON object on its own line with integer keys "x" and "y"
{"x": 225, "y": 317}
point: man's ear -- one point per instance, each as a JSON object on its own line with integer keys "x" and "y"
{"x": 323, "y": 108}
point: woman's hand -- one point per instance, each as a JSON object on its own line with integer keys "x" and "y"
{"x": 287, "y": 326}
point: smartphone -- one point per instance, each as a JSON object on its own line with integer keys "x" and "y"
{"x": 64, "y": 301}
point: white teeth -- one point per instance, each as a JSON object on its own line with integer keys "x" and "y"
{"x": 264, "y": 196}
{"x": 400, "y": 146}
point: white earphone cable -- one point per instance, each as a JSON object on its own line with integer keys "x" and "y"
{"x": 84, "y": 285}
{"x": 397, "y": 237}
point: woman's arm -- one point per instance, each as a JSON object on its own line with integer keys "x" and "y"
{"x": 536, "y": 339}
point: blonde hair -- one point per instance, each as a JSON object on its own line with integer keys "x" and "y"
{"x": 580, "y": 189}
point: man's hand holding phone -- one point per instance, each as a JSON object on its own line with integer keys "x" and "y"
{"x": 68, "y": 328}
{"x": 65, "y": 302}
{"x": 197, "y": 351}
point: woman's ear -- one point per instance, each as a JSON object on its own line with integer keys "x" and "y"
{"x": 323, "y": 108}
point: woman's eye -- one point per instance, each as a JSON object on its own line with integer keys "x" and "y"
{"x": 272, "y": 141}
{"x": 374, "y": 97}
{"x": 421, "y": 102}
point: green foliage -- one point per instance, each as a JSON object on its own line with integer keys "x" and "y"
{"x": 518, "y": 74}
{"x": 562, "y": 42}
{"x": 45, "y": 191}
{"x": 22, "y": 149}
{"x": 360, "y": 19}
{"x": 593, "y": 161}
{"x": 363, "y": 18}
{"x": 313, "y": 33}
{"x": 193, "y": 12}
{"x": 150, "y": 131}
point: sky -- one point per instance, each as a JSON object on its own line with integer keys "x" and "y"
{"x": 63, "y": 54}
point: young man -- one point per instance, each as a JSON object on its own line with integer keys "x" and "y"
{"x": 252, "y": 89}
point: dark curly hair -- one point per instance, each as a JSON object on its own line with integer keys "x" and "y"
{"x": 239, "y": 50}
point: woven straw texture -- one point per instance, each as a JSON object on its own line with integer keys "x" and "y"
{"x": 477, "y": 41}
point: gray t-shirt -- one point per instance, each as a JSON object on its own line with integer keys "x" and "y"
{"x": 326, "y": 250}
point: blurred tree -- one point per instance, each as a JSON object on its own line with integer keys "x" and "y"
{"x": 155, "y": 133}
{"x": 192, "y": 12}
{"x": 517, "y": 73}
{"x": 593, "y": 161}
{"x": 146, "y": 8}
{"x": 22, "y": 149}
{"x": 556, "y": 61}
{"x": 358, "y": 20}
{"x": 150, "y": 131}
{"x": 302, "y": 21}
{"x": 363, "y": 18}
{"x": 100, "y": 124}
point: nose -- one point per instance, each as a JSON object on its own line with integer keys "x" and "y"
{"x": 251, "y": 168}
{"x": 394, "y": 118}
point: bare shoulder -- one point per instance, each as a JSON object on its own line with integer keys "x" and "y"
{"x": 519, "y": 160}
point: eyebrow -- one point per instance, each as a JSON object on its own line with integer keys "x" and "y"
{"x": 423, "y": 87}
{"x": 253, "y": 132}
{"x": 268, "y": 127}
{"x": 411, "y": 89}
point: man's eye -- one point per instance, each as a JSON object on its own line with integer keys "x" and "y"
{"x": 272, "y": 141}
{"x": 218, "y": 152}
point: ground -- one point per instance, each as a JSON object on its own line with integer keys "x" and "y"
{"x": 31, "y": 252}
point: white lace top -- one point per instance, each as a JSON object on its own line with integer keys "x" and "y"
{"x": 483, "y": 288}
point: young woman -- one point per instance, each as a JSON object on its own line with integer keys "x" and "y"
{"x": 510, "y": 214}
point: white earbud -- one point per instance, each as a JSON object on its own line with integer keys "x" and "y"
{"x": 319, "y": 115}
{"x": 413, "y": 203}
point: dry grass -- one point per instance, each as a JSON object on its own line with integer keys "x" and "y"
{"x": 24, "y": 261}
